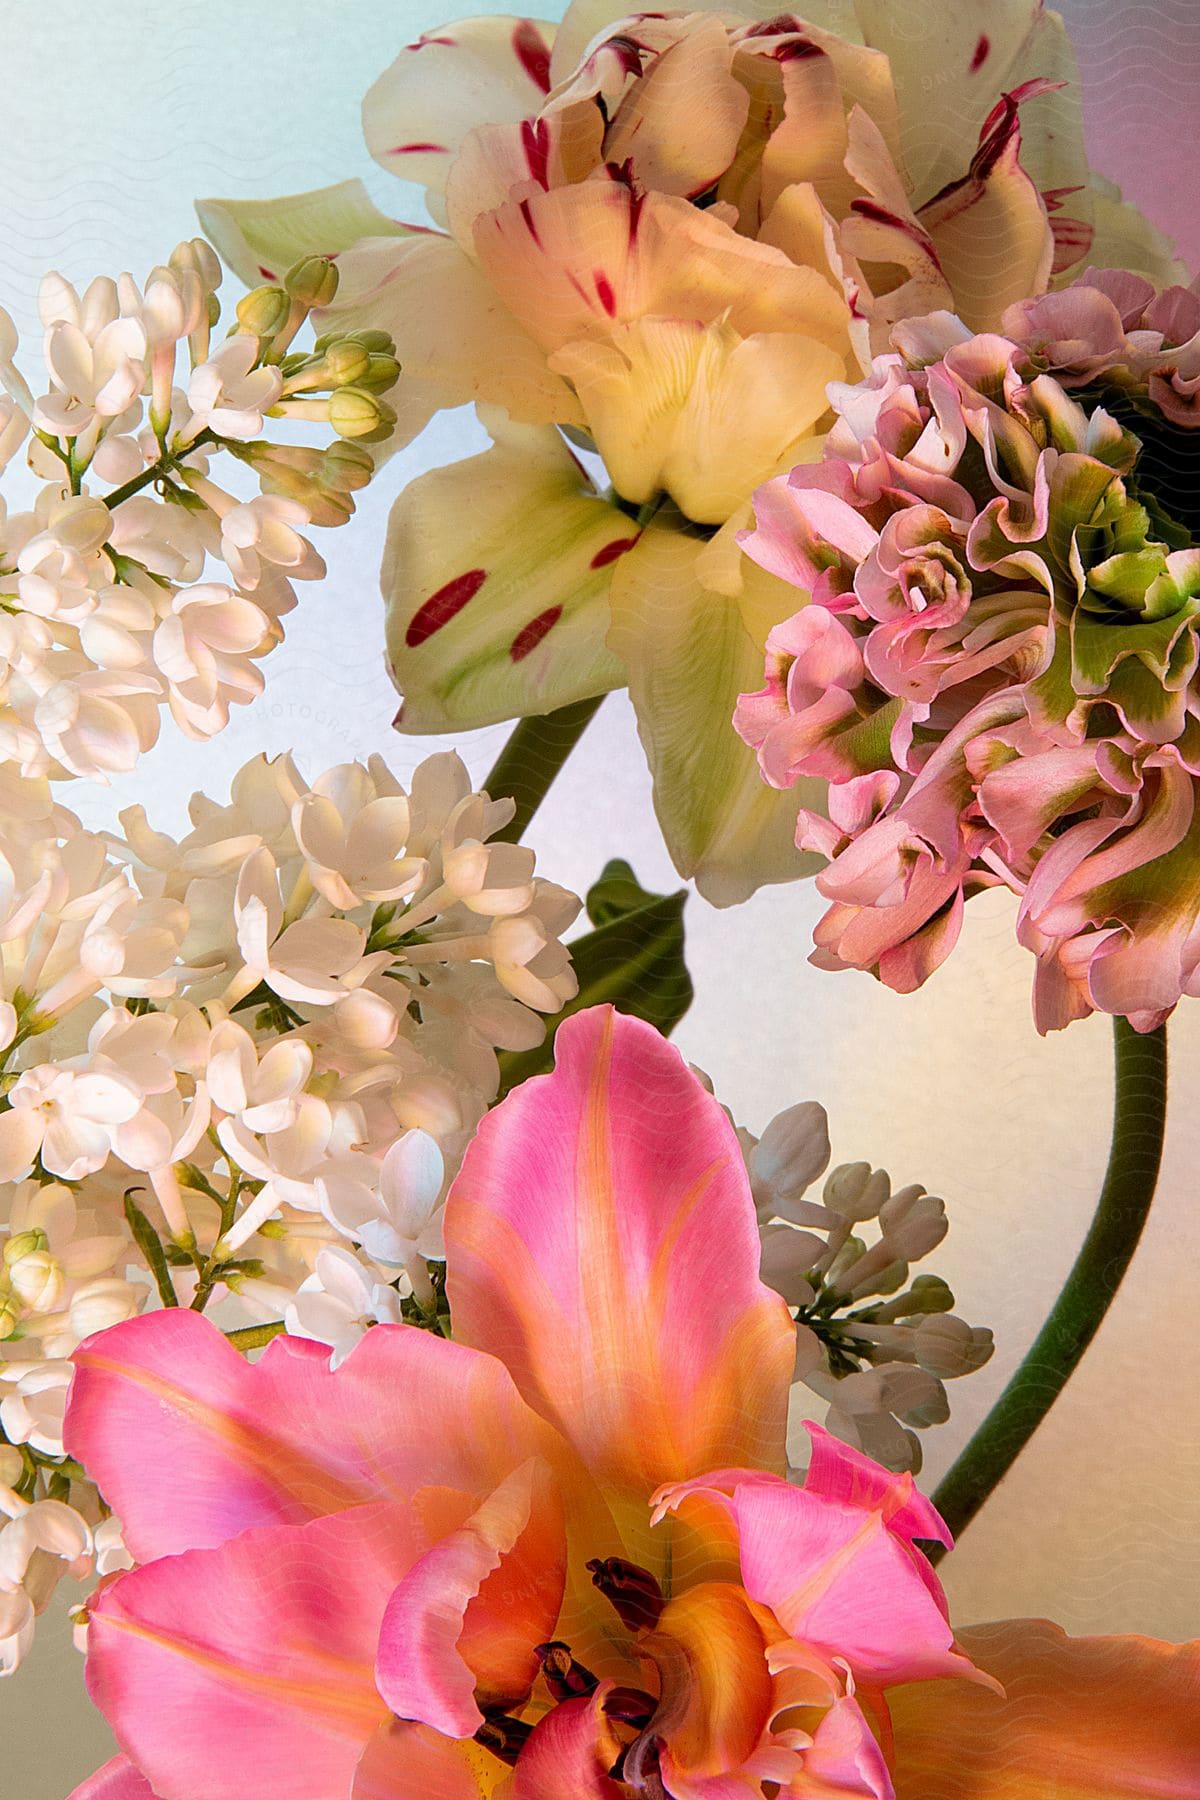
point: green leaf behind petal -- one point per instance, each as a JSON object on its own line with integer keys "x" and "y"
{"x": 689, "y": 650}
{"x": 634, "y": 958}
{"x": 260, "y": 239}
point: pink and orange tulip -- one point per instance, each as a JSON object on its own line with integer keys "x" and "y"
{"x": 559, "y": 1557}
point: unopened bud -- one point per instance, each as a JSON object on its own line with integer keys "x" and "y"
{"x": 856, "y": 1190}
{"x": 367, "y": 336}
{"x": 201, "y": 258}
{"x": 383, "y": 372}
{"x": 354, "y": 413}
{"x": 344, "y": 364}
{"x": 346, "y": 467}
{"x": 38, "y": 1280}
{"x": 313, "y": 281}
{"x": 23, "y": 1244}
{"x": 263, "y": 311}
{"x": 929, "y": 1294}
{"x": 948, "y": 1347}
{"x": 10, "y": 1315}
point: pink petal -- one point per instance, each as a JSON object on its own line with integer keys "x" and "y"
{"x": 602, "y": 1239}
{"x": 117, "y": 1780}
{"x": 190, "y": 1444}
{"x": 836, "y": 1472}
{"x": 255, "y": 1659}
{"x": 845, "y": 1756}
{"x": 570, "y": 1753}
{"x": 411, "y": 1762}
{"x": 460, "y": 1629}
{"x": 835, "y": 1576}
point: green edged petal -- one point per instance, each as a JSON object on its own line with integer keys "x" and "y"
{"x": 689, "y": 651}
{"x": 261, "y": 239}
{"x": 495, "y": 578}
{"x": 1125, "y": 238}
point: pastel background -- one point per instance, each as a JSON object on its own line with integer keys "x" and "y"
{"x": 115, "y": 118}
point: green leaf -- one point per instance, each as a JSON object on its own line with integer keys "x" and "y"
{"x": 147, "y": 1241}
{"x": 633, "y": 958}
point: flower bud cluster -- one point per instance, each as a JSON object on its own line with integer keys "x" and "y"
{"x": 138, "y": 580}
{"x": 875, "y": 1344}
{"x": 244, "y": 1065}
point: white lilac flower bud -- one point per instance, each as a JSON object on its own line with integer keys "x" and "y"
{"x": 948, "y": 1347}
{"x": 878, "y": 1361}
{"x": 792, "y": 1152}
{"x": 37, "y": 1280}
{"x": 856, "y": 1191}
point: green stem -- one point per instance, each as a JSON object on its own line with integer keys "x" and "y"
{"x": 531, "y": 759}
{"x": 1139, "y": 1119}
{"x": 165, "y": 465}
{"x": 251, "y": 1337}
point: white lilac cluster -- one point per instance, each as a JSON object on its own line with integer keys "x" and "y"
{"x": 242, "y": 1066}
{"x": 877, "y": 1347}
{"x": 137, "y": 581}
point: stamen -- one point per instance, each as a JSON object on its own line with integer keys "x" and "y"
{"x": 566, "y": 1679}
{"x": 639, "y": 1767}
{"x": 633, "y": 1592}
{"x": 630, "y": 1706}
{"x": 504, "y": 1737}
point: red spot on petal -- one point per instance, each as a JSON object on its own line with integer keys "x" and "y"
{"x": 441, "y": 607}
{"x": 423, "y": 42}
{"x": 535, "y": 141}
{"x": 418, "y": 150}
{"x": 610, "y": 552}
{"x": 527, "y": 214}
{"x": 267, "y": 274}
{"x": 1072, "y": 241}
{"x": 533, "y": 53}
{"x": 605, "y": 295}
{"x": 795, "y": 49}
{"x": 980, "y": 55}
{"x": 531, "y": 635}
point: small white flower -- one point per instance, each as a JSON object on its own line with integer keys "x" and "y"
{"x": 32, "y": 1413}
{"x": 228, "y": 395}
{"x": 339, "y": 1302}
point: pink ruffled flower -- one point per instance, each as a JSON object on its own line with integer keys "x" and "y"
{"x": 559, "y": 1556}
{"x": 1114, "y": 324}
{"x": 997, "y": 669}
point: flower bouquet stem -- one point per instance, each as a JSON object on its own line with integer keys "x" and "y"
{"x": 1139, "y": 1117}
{"x": 535, "y": 752}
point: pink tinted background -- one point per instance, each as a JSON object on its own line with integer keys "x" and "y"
{"x": 1141, "y": 75}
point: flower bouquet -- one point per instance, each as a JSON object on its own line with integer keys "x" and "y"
{"x": 414, "y": 1379}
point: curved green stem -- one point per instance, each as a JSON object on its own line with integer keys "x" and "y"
{"x": 531, "y": 759}
{"x": 252, "y": 1337}
{"x": 1139, "y": 1118}
{"x": 166, "y": 464}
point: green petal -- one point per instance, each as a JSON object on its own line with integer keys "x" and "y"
{"x": 689, "y": 651}
{"x": 1126, "y": 240}
{"x": 261, "y": 239}
{"x": 496, "y": 578}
